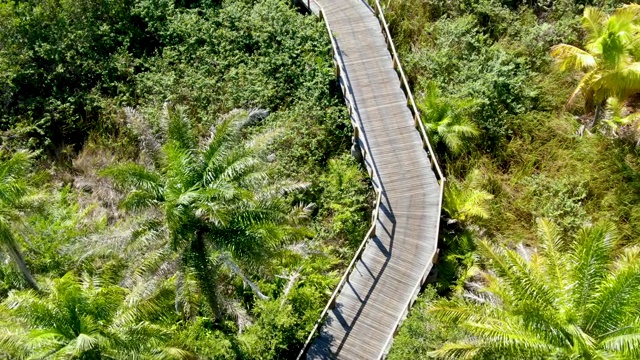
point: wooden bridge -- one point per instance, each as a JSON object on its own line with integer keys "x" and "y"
{"x": 389, "y": 268}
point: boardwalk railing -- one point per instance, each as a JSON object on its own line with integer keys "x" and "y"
{"x": 434, "y": 164}
{"x": 407, "y": 89}
{"x": 349, "y": 97}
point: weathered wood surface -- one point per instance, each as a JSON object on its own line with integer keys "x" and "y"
{"x": 396, "y": 260}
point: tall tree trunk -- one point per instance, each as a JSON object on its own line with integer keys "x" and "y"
{"x": 589, "y": 102}
{"x": 16, "y": 255}
{"x": 597, "y": 116}
{"x": 205, "y": 273}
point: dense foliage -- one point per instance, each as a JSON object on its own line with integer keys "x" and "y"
{"x": 175, "y": 179}
{"x": 568, "y": 300}
{"x": 531, "y": 77}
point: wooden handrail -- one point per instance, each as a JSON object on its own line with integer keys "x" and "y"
{"x": 343, "y": 280}
{"x": 350, "y": 105}
{"x": 405, "y": 83}
{"x": 434, "y": 163}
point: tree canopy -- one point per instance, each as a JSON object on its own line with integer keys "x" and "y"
{"x": 215, "y": 200}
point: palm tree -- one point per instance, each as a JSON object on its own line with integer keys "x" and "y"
{"x": 445, "y": 120}
{"x": 82, "y": 319}
{"x": 213, "y": 200}
{"x": 565, "y": 300}
{"x": 14, "y": 199}
{"x": 610, "y": 59}
{"x": 464, "y": 201}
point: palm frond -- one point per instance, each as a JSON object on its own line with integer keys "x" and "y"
{"x": 182, "y": 167}
{"x": 179, "y": 129}
{"x": 130, "y": 176}
{"x": 593, "y": 21}
{"x": 219, "y": 140}
{"x": 573, "y": 58}
{"x": 445, "y": 120}
{"x": 465, "y": 200}
{"x": 226, "y": 258}
{"x": 502, "y": 337}
{"x": 585, "y": 84}
{"x": 625, "y": 342}
{"x": 13, "y": 172}
{"x": 450, "y": 351}
{"x": 171, "y": 353}
{"x": 554, "y": 263}
{"x": 590, "y": 259}
{"x": 617, "y": 297}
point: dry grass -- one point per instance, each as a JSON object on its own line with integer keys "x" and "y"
{"x": 96, "y": 191}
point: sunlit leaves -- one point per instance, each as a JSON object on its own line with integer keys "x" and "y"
{"x": 215, "y": 197}
{"x": 447, "y": 121}
{"x": 80, "y": 318}
{"x": 610, "y": 62}
{"x": 569, "y": 299}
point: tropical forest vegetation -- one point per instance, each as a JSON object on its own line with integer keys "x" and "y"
{"x": 533, "y": 109}
{"x": 176, "y": 179}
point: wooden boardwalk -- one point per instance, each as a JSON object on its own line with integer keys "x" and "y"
{"x": 387, "y": 274}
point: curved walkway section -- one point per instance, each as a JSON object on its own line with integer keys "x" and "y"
{"x": 386, "y": 278}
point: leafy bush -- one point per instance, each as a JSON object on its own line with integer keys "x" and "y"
{"x": 66, "y": 65}
{"x": 466, "y": 64}
{"x": 560, "y": 200}
{"x": 60, "y": 57}
{"x": 345, "y": 197}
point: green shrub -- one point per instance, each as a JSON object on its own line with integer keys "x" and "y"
{"x": 559, "y": 200}
{"x": 59, "y": 57}
{"x": 346, "y": 200}
{"x": 467, "y": 64}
